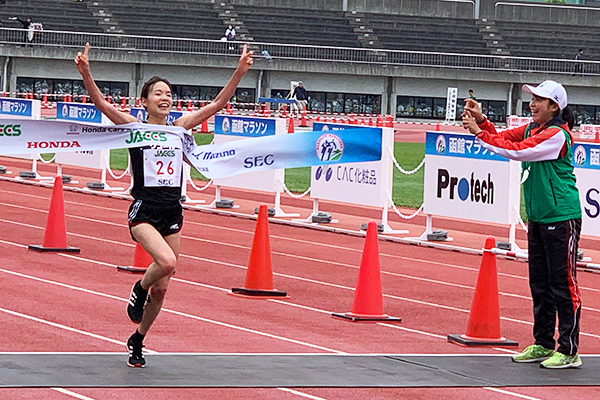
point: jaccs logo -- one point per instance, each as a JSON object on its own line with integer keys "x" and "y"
{"x": 10, "y": 130}
{"x": 137, "y": 137}
{"x": 478, "y": 191}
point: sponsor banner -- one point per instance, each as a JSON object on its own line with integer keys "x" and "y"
{"x": 214, "y": 161}
{"x": 586, "y": 159}
{"x": 457, "y": 145}
{"x": 587, "y": 131}
{"x": 286, "y": 151}
{"x": 86, "y": 113}
{"x": 24, "y": 136}
{"x": 141, "y": 114}
{"x": 514, "y": 121}
{"x": 481, "y": 187}
{"x": 365, "y": 183}
{"x": 266, "y": 181}
{"x": 244, "y": 126}
{"x": 11, "y": 108}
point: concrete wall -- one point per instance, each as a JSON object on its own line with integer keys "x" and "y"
{"x": 387, "y": 81}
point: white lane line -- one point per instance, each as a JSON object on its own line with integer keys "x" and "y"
{"x": 520, "y": 396}
{"x": 305, "y": 395}
{"x": 61, "y": 326}
{"x": 167, "y": 310}
{"x": 435, "y": 305}
{"x": 435, "y": 263}
{"x": 72, "y": 394}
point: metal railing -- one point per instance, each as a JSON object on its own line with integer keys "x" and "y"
{"x": 291, "y": 52}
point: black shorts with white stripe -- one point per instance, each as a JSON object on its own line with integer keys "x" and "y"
{"x": 166, "y": 219}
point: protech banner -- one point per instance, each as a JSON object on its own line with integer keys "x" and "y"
{"x": 586, "y": 159}
{"x": 464, "y": 180}
{"x": 213, "y": 161}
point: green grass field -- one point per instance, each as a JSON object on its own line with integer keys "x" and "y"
{"x": 407, "y": 189}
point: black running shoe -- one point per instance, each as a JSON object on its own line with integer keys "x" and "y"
{"x": 136, "y": 357}
{"x": 137, "y": 302}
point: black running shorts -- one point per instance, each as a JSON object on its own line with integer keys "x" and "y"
{"x": 167, "y": 219}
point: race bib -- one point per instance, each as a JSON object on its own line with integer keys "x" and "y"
{"x": 162, "y": 167}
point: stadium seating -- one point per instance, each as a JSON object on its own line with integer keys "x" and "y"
{"x": 58, "y": 15}
{"x": 173, "y": 18}
{"x": 435, "y": 34}
{"x": 538, "y": 40}
{"x": 297, "y": 26}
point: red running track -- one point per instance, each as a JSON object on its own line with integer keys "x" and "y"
{"x": 61, "y": 302}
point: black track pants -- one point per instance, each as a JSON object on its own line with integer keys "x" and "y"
{"x": 553, "y": 283}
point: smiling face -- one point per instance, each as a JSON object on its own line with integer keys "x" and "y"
{"x": 158, "y": 101}
{"x": 542, "y": 109}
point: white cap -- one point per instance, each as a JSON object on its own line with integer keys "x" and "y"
{"x": 549, "y": 90}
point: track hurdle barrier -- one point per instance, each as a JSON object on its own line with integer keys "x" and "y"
{"x": 259, "y": 275}
{"x": 368, "y": 296}
{"x": 229, "y": 128}
{"x": 364, "y": 183}
{"x": 55, "y": 235}
{"x": 483, "y": 327}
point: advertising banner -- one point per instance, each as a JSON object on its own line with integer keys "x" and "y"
{"x": 214, "y": 161}
{"x": 84, "y": 113}
{"x": 365, "y": 183}
{"x": 586, "y": 159}
{"x": 464, "y": 180}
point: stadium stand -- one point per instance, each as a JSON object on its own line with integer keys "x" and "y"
{"x": 58, "y": 15}
{"x": 173, "y": 18}
{"x": 419, "y": 33}
{"x": 525, "y": 39}
{"x": 297, "y": 26}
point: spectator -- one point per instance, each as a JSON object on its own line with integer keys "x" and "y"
{"x": 27, "y": 24}
{"x": 554, "y": 212}
{"x": 230, "y": 36}
{"x": 578, "y": 64}
{"x": 301, "y": 96}
{"x": 472, "y": 95}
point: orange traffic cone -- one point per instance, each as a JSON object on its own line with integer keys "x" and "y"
{"x": 303, "y": 122}
{"x": 483, "y": 328}
{"x": 437, "y": 126}
{"x": 138, "y": 102}
{"x": 596, "y": 138}
{"x": 190, "y": 106}
{"x": 141, "y": 261}
{"x": 55, "y": 237}
{"x": 123, "y": 104}
{"x": 291, "y": 125}
{"x": 284, "y": 111}
{"x": 259, "y": 275}
{"x": 83, "y": 99}
{"x": 178, "y": 105}
{"x": 368, "y": 298}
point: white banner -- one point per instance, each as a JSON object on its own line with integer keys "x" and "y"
{"x": 464, "y": 180}
{"x": 586, "y": 158}
{"x": 213, "y": 161}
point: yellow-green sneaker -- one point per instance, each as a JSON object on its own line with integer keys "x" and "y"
{"x": 560, "y": 360}
{"x": 533, "y": 353}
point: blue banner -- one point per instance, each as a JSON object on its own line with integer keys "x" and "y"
{"x": 457, "y": 145}
{"x": 244, "y": 126}
{"x": 324, "y": 126}
{"x": 14, "y": 107}
{"x": 586, "y": 155}
{"x": 78, "y": 112}
{"x": 293, "y": 150}
{"x": 141, "y": 114}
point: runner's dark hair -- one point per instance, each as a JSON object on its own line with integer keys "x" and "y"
{"x": 150, "y": 84}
